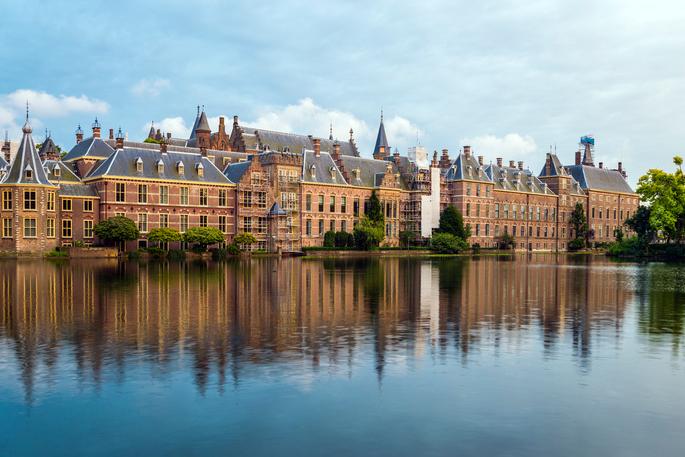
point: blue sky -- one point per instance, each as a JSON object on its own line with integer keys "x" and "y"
{"x": 511, "y": 78}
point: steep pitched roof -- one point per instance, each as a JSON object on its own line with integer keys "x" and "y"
{"x": 465, "y": 167}
{"x": 514, "y": 179}
{"x": 92, "y": 148}
{"x": 259, "y": 139}
{"x": 123, "y": 163}
{"x": 64, "y": 175}
{"x": 235, "y": 171}
{"x": 593, "y": 178}
{"x": 381, "y": 139}
{"x": 48, "y": 148}
{"x": 320, "y": 169}
{"x": 26, "y": 168}
{"x": 78, "y": 190}
{"x": 556, "y": 169}
{"x": 363, "y": 172}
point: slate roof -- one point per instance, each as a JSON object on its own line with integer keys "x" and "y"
{"x": 465, "y": 167}
{"x": 594, "y": 178}
{"x": 381, "y": 139}
{"x": 508, "y": 178}
{"x": 26, "y": 159}
{"x": 78, "y": 190}
{"x": 276, "y": 210}
{"x": 235, "y": 171}
{"x": 556, "y": 169}
{"x": 47, "y": 148}
{"x": 320, "y": 169}
{"x": 66, "y": 174}
{"x": 258, "y": 139}
{"x": 123, "y": 163}
{"x": 3, "y": 162}
{"x": 371, "y": 171}
{"x": 94, "y": 148}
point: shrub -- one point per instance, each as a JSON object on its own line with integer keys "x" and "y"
{"x": 505, "y": 241}
{"x": 576, "y": 244}
{"x": 446, "y": 243}
{"x": 176, "y": 254}
{"x": 155, "y": 252}
{"x": 117, "y": 229}
{"x": 57, "y": 254}
{"x": 343, "y": 240}
{"x": 329, "y": 239}
{"x": 244, "y": 240}
{"x": 475, "y": 248}
{"x": 164, "y": 235}
{"x": 451, "y": 221}
{"x": 368, "y": 234}
{"x": 233, "y": 249}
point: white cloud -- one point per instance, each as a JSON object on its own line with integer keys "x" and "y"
{"x": 150, "y": 87}
{"x": 512, "y": 146}
{"x": 174, "y": 125}
{"x": 306, "y": 117}
{"x": 42, "y": 104}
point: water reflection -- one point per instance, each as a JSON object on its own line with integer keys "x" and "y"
{"x": 226, "y": 319}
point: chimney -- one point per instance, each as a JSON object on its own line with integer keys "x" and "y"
{"x": 512, "y": 164}
{"x": 480, "y": 160}
{"x": 445, "y": 159}
{"x": 317, "y": 147}
{"x": 467, "y": 151}
{"x": 578, "y": 159}
{"x": 163, "y": 146}
{"x": 235, "y": 121}
{"x": 548, "y": 166}
{"x": 79, "y": 134}
{"x": 434, "y": 162}
{"x": 336, "y": 151}
{"x": 6, "y": 148}
{"x": 96, "y": 128}
{"x": 499, "y": 162}
{"x": 168, "y": 135}
{"x": 601, "y": 164}
{"x": 396, "y": 157}
{"x": 120, "y": 138}
{"x": 520, "y": 164}
{"x": 222, "y": 125}
{"x": 111, "y": 134}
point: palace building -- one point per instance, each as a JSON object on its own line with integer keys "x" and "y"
{"x": 290, "y": 189}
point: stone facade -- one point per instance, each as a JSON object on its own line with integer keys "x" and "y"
{"x": 290, "y": 189}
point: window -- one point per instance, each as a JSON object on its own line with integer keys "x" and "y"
{"x": 88, "y": 228}
{"x": 308, "y": 202}
{"x": 506, "y": 211}
{"x": 331, "y": 205}
{"x": 478, "y": 190}
{"x": 497, "y": 210}
{"x": 222, "y": 223}
{"x": 468, "y": 209}
{"x": 30, "y": 228}
{"x": 200, "y": 170}
{"x": 468, "y": 189}
{"x": 184, "y": 223}
{"x": 332, "y": 225}
{"x": 343, "y": 204}
{"x": 164, "y": 220}
{"x": 142, "y": 222}
{"x": 164, "y": 195}
{"x": 477, "y": 229}
{"x": 247, "y": 224}
{"x": 29, "y": 199}
{"x": 487, "y": 229}
{"x": 203, "y": 220}
{"x": 184, "y": 195}
{"x": 29, "y": 173}
{"x": 142, "y": 193}
{"x": 66, "y": 228}
{"x": 7, "y": 200}
{"x": 203, "y": 197}
{"x": 355, "y": 207}
{"x": 223, "y": 201}
{"x": 88, "y": 206}
{"x": 66, "y": 204}
{"x": 343, "y": 226}
{"x": 7, "y": 228}
{"x": 308, "y": 227}
{"x": 139, "y": 165}
{"x": 320, "y": 227}
{"x": 321, "y": 203}
{"x": 247, "y": 198}
{"x": 120, "y": 192}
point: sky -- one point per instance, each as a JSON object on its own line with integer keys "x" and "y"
{"x": 511, "y": 78}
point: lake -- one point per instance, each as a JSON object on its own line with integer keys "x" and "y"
{"x": 529, "y": 355}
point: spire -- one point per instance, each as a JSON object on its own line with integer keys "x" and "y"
{"x": 195, "y": 124}
{"x": 587, "y": 142}
{"x": 330, "y": 132}
{"x": 382, "y": 149}
{"x": 27, "y": 126}
{"x": 26, "y": 167}
{"x": 151, "y": 133}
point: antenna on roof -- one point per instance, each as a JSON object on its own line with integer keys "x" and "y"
{"x": 198, "y": 110}
{"x": 330, "y": 131}
{"x": 27, "y": 110}
{"x": 381, "y": 114}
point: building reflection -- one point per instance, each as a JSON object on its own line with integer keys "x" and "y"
{"x": 222, "y": 321}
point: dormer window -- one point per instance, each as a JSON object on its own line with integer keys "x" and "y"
{"x": 312, "y": 170}
{"x": 160, "y": 166}
{"x": 200, "y": 169}
{"x": 28, "y": 172}
{"x": 139, "y": 165}
{"x": 56, "y": 171}
{"x": 357, "y": 173}
{"x": 332, "y": 172}
{"x": 180, "y": 168}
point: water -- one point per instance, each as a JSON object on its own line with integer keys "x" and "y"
{"x": 546, "y": 355}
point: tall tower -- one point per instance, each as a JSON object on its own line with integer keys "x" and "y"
{"x": 382, "y": 150}
{"x": 587, "y": 144}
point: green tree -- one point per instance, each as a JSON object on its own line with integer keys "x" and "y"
{"x": 452, "y": 221}
{"x": 374, "y": 209}
{"x": 164, "y": 235}
{"x": 665, "y": 194}
{"x": 329, "y": 239}
{"x": 368, "y": 234}
{"x": 579, "y": 222}
{"x": 244, "y": 240}
{"x": 506, "y": 241}
{"x": 203, "y": 236}
{"x": 343, "y": 240}
{"x": 447, "y": 243}
{"x": 116, "y": 230}
{"x": 639, "y": 223}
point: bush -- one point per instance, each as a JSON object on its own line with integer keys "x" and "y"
{"x": 475, "y": 248}
{"x": 329, "y": 239}
{"x": 202, "y": 237}
{"x": 628, "y": 247}
{"x": 164, "y": 235}
{"x": 176, "y": 254}
{"x": 244, "y": 240}
{"x": 233, "y": 249}
{"x": 117, "y": 229}
{"x": 344, "y": 240}
{"x": 576, "y": 244}
{"x": 505, "y": 241}
{"x": 446, "y": 243}
{"x": 368, "y": 234}
{"x": 57, "y": 254}
{"x": 155, "y": 252}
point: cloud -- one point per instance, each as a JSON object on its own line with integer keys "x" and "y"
{"x": 43, "y": 104}
{"x": 174, "y": 125}
{"x": 511, "y": 146}
{"x": 306, "y": 117}
{"x": 150, "y": 87}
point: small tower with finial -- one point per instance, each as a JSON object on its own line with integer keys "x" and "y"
{"x": 6, "y": 147}
{"x": 96, "y": 128}
{"x": 79, "y": 134}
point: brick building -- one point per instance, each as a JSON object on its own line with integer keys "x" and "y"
{"x": 290, "y": 189}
